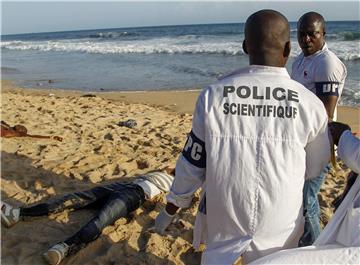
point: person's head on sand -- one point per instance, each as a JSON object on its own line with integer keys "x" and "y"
{"x": 311, "y": 33}
{"x": 267, "y": 38}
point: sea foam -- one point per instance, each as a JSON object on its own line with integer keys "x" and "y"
{"x": 345, "y": 50}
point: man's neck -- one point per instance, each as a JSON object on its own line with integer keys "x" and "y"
{"x": 254, "y": 61}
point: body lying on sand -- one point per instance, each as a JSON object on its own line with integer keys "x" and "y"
{"x": 112, "y": 201}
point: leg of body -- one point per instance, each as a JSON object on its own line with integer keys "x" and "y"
{"x": 10, "y": 214}
{"x": 76, "y": 200}
{"x": 120, "y": 203}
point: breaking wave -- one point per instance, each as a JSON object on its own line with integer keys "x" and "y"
{"x": 189, "y": 44}
{"x": 158, "y": 46}
{"x": 112, "y": 35}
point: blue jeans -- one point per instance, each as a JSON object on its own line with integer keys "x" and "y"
{"x": 311, "y": 208}
{"x": 113, "y": 201}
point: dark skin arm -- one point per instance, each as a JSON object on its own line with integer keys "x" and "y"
{"x": 171, "y": 208}
{"x": 330, "y": 104}
{"x": 336, "y": 130}
{"x": 20, "y": 131}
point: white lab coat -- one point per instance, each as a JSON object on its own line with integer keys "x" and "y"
{"x": 338, "y": 243}
{"x": 349, "y": 150}
{"x": 251, "y": 161}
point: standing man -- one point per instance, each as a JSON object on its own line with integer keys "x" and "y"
{"x": 256, "y": 135}
{"x": 320, "y": 71}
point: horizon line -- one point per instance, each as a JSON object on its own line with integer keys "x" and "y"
{"x": 132, "y": 27}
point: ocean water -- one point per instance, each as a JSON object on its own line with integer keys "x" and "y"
{"x": 152, "y": 58}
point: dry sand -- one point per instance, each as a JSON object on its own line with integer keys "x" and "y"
{"x": 96, "y": 150}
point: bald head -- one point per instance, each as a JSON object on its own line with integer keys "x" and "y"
{"x": 267, "y": 38}
{"x": 311, "y": 32}
{"x": 310, "y": 18}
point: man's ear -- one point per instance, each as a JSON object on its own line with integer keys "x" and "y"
{"x": 287, "y": 49}
{"x": 244, "y": 47}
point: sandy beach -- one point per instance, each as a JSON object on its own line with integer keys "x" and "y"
{"x": 97, "y": 150}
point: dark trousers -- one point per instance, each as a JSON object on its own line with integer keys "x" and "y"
{"x": 113, "y": 201}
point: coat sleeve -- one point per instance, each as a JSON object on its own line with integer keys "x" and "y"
{"x": 349, "y": 150}
{"x": 191, "y": 165}
{"x": 317, "y": 150}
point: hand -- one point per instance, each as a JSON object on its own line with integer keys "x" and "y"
{"x": 20, "y": 129}
{"x": 162, "y": 221}
{"x": 336, "y": 130}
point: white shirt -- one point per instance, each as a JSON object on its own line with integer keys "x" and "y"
{"x": 153, "y": 183}
{"x": 149, "y": 188}
{"x": 349, "y": 150}
{"x": 322, "y": 73}
{"x": 338, "y": 243}
{"x": 256, "y": 136}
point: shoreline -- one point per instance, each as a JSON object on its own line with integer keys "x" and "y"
{"x": 179, "y": 101}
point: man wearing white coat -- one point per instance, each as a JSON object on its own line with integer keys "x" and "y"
{"x": 256, "y": 135}
{"x": 339, "y": 242}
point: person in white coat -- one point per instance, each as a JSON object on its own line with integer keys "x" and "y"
{"x": 339, "y": 242}
{"x": 256, "y": 136}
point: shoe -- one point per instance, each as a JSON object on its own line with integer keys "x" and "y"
{"x": 130, "y": 123}
{"x": 56, "y": 253}
{"x": 10, "y": 215}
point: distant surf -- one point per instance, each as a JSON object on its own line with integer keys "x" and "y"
{"x": 344, "y": 44}
{"x": 154, "y": 57}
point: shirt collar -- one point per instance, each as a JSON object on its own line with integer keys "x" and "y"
{"x": 254, "y": 69}
{"x": 267, "y": 69}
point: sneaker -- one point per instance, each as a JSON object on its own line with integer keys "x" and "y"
{"x": 130, "y": 123}
{"x": 10, "y": 215}
{"x": 56, "y": 253}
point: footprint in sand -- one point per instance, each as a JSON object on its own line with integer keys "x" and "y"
{"x": 142, "y": 163}
{"x": 109, "y": 137}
